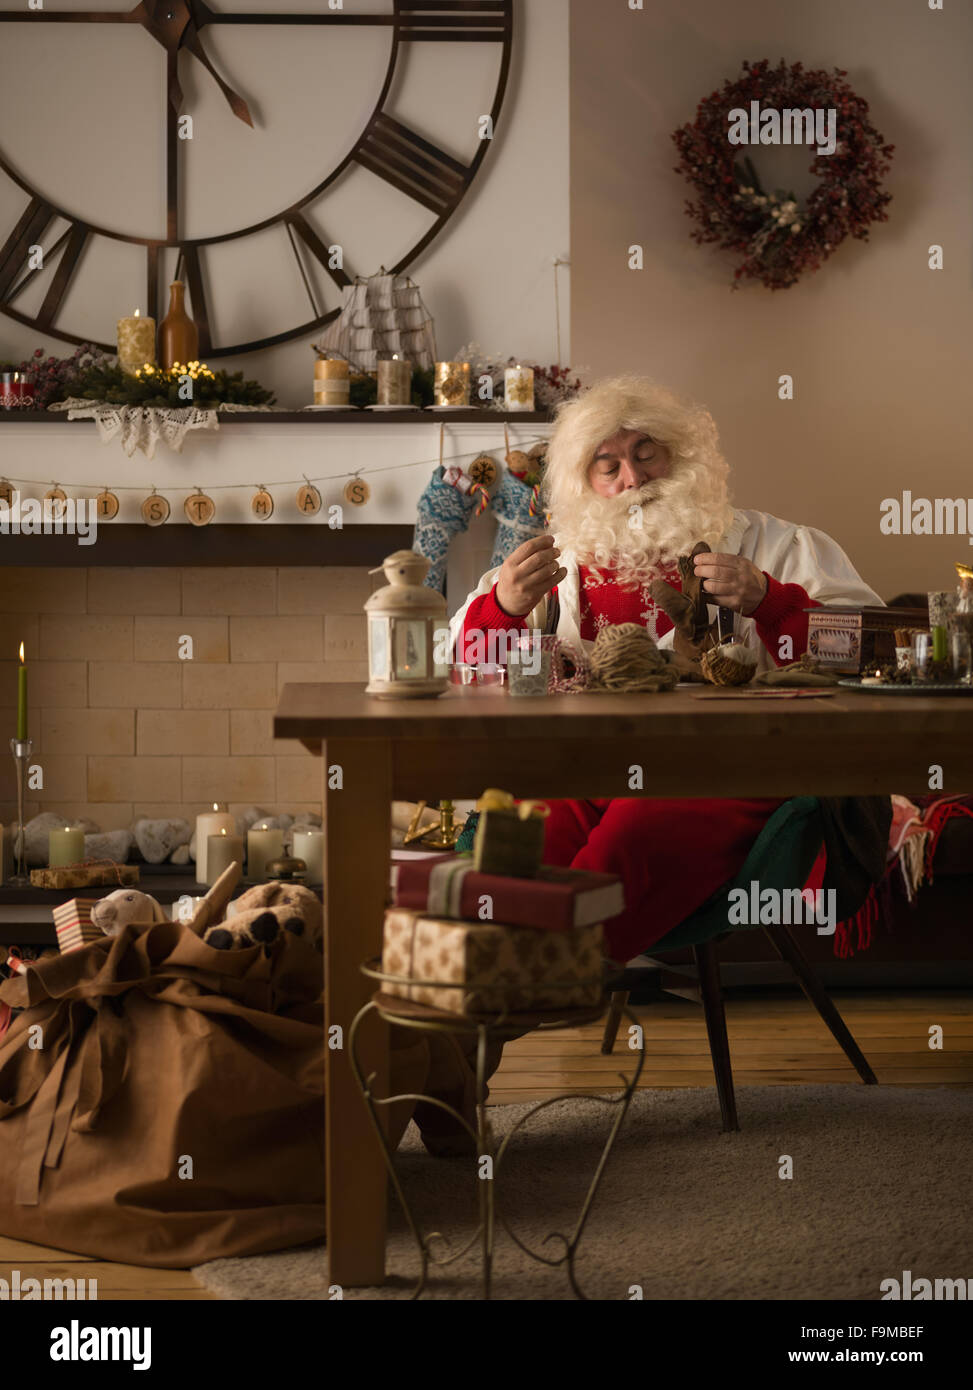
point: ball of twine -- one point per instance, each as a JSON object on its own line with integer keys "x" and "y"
{"x": 625, "y": 658}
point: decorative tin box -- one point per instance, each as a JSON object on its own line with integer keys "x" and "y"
{"x": 857, "y": 638}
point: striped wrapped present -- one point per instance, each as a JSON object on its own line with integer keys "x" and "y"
{"x": 72, "y": 921}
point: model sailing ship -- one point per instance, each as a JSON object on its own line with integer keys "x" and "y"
{"x": 381, "y": 316}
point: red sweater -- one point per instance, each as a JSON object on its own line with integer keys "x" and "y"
{"x": 604, "y": 603}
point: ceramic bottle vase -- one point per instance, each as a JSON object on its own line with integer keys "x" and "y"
{"x": 178, "y": 335}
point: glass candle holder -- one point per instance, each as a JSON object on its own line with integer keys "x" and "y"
{"x": 452, "y": 384}
{"x": 961, "y": 656}
{"x": 922, "y": 658}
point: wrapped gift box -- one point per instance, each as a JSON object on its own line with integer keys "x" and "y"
{"x": 72, "y": 922}
{"x": 484, "y": 968}
{"x": 449, "y": 885}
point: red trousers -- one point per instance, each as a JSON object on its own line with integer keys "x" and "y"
{"x": 670, "y": 855}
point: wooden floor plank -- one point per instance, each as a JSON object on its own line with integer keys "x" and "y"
{"x": 774, "y": 1040}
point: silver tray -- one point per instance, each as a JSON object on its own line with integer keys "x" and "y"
{"x": 926, "y": 688}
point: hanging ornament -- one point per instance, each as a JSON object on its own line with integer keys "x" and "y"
{"x": 155, "y": 509}
{"x": 517, "y": 461}
{"x": 308, "y": 498}
{"x": 261, "y": 503}
{"x": 56, "y": 501}
{"x": 357, "y": 492}
{"x": 6, "y": 492}
{"x": 106, "y": 505}
{"x": 483, "y": 470}
{"x": 199, "y": 508}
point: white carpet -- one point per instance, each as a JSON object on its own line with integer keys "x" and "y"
{"x": 880, "y": 1185}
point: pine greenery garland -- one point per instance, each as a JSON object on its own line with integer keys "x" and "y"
{"x": 152, "y": 386}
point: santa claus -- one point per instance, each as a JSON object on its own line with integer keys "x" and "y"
{"x": 634, "y": 479}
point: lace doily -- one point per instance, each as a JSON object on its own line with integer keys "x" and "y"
{"x": 143, "y": 426}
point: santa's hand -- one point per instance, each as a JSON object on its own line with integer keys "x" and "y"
{"x": 732, "y": 581}
{"x": 527, "y": 574}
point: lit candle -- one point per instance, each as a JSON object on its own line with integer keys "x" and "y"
{"x": 518, "y": 388}
{"x": 332, "y": 383}
{"x": 394, "y": 381}
{"x": 309, "y": 846}
{"x": 22, "y": 697}
{"x": 210, "y": 823}
{"x": 65, "y": 847}
{"x": 262, "y": 846}
{"x": 222, "y": 850}
{"x": 136, "y": 342}
{"x": 452, "y": 384}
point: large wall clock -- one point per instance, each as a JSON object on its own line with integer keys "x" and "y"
{"x": 407, "y": 163}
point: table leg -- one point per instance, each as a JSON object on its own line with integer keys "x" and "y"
{"x": 357, "y": 803}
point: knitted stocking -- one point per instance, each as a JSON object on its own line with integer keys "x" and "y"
{"x": 511, "y": 507}
{"x": 443, "y": 512}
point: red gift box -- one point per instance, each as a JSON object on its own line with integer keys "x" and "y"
{"x": 447, "y": 885}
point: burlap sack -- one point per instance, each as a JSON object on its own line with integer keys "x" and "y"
{"x": 173, "y": 1111}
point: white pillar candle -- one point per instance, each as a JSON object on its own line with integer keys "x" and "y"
{"x": 309, "y": 846}
{"x": 518, "y": 388}
{"x": 394, "y": 381}
{"x": 136, "y": 342}
{"x": 262, "y": 847}
{"x": 332, "y": 381}
{"x": 221, "y": 851}
{"x": 211, "y": 823}
{"x": 65, "y": 847}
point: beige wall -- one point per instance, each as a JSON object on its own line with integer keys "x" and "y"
{"x": 123, "y": 728}
{"x": 879, "y": 345}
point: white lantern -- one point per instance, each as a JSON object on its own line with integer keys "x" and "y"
{"x": 408, "y": 636}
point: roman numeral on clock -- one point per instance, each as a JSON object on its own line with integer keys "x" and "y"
{"x": 412, "y": 165}
{"x": 316, "y": 247}
{"x": 14, "y": 252}
{"x": 463, "y": 21}
{"x": 189, "y": 256}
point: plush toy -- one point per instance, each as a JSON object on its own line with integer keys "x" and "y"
{"x": 264, "y": 911}
{"x": 123, "y": 906}
{"x": 689, "y": 613}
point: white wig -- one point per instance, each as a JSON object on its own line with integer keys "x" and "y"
{"x": 690, "y": 504}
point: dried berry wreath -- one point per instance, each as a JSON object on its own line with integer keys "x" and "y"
{"x": 780, "y": 240}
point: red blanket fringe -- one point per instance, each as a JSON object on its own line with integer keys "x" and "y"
{"x": 856, "y": 933}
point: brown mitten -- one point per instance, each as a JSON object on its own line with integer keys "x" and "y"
{"x": 687, "y": 609}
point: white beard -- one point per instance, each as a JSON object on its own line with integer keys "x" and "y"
{"x": 641, "y": 533}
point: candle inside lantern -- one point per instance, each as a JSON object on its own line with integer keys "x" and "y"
{"x": 263, "y": 845}
{"x": 452, "y": 384}
{"x": 210, "y": 823}
{"x": 332, "y": 382}
{"x": 22, "y": 697}
{"x": 136, "y": 342}
{"x": 65, "y": 847}
{"x": 394, "y": 381}
{"x": 222, "y": 850}
{"x": 518, "y": 388}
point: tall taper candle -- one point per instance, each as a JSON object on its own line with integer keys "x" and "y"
{"x": 22, "y": 697}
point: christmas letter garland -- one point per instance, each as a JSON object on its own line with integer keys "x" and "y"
{"x": 777, "y": 240}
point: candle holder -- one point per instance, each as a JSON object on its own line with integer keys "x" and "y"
{"x": 20, "y": 748}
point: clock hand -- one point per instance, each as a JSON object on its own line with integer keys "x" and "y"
{"x": 238, "y": 106}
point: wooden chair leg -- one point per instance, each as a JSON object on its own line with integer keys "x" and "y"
{"x": 719, "y": 1044}
{"x": 785, "y": 944}
{"x": 618, "y": 1001}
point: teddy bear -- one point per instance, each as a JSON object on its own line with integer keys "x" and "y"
{"x": 125, "y": 905}
{"x": 264, "y": 911}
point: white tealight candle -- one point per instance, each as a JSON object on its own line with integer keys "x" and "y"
{"x": 210, "y": 823}
{"x": 309, "y": 846}
{"x": 262, "y": 847}
{"x": 65, "y": 847}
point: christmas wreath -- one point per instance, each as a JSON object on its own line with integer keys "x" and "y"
{"x": 778, "y": 239}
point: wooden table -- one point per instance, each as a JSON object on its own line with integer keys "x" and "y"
{"x": 686, "y": 742}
